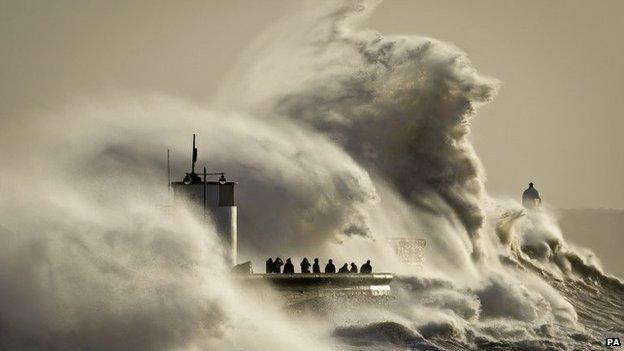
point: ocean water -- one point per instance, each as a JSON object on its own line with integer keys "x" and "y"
{"x": 597, "y": 299}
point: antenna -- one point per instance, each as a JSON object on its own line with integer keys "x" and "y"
{"x": 204, "y": 191}
{"x": 194, "y": 156}
{"x": 168, "y": 171}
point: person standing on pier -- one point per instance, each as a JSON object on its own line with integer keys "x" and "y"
{"x": 305, "y": 265}
{"x": 354, "y": 268}
{"x": 344, "y": 269}
{"x": 278, "y": 263}
{"x": 288, "y": 267}
{"x": 330, "y": 268}
{"x": 316, "y": 268}
{"x": 366, "y": 268}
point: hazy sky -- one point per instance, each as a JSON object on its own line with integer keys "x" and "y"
{"x": 557, "y": 120}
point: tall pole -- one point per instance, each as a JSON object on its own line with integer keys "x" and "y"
{"x": 194, "y": 158}
{"x": 168, "y": 172}
{"x": 204, "y": 192}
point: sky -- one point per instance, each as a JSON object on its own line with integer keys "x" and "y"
{"x": 556, "y": 121}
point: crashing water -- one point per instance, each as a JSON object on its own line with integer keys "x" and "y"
{"x": 341, "y": 138}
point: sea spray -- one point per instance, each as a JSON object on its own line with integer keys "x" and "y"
{"x": 95, "y": 257}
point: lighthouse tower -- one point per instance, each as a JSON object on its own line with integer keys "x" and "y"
{"x": 531, "y": 198}
{"x": 212, "y": 199}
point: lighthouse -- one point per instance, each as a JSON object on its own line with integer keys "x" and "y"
{"x": 211, "y": 197}
{"x": 531, "y": 198}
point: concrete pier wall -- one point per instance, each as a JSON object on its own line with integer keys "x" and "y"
{"x": 301, "y": 287}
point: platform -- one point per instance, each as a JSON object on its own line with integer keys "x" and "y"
{"x": 300, "y": 287}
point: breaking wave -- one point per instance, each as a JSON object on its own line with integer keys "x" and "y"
{"x": 341, "y": 137}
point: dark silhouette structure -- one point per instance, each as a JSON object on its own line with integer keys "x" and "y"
{"x": 330, "y": 268}
{"x": 278, "y": 263}
{"x": 531, "y": 198}
{"x": 316, "y": 268}
{"x": 274, "y": 266}
{"x": 288, "y": 267}
{"x": 270, "y": 267}
{"x": 344, "y": 269}
{"x": 305, "y": 265}
{"x": 210, "y": 199}
{"x": 366, "y": 268}
{"x": 354, "y": 268}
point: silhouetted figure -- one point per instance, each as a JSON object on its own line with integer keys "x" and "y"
{"x": 366, "y": 268}
{"x": 305, "y": 265}
{"x": 531, "y": 198}
{"x": 288, "y": 267}
{"x": 353, "y": 268}
{"x": 344, "y": 269}
{"x": 330, "y": 268}
{"x": 270, "y": 267}
{"x": 278, "y": 265}
{"x": 316, "y": 268}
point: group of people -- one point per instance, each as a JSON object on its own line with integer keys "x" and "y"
{"x": 275, "y": 266}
